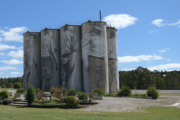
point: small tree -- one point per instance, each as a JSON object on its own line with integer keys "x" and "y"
{"x": 152, "y": 92}
{"x": 124, "y": 91}
{"x": 31, "y": 94}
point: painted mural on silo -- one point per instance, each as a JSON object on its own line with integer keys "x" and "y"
{"x": 50, "y": 71}
{"x": 32, "y": 61}
{"x": 112, "y": 60}
{"x": 71, "y": 69}
{"x": 94, "y": 55}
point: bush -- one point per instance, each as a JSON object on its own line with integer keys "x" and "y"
{"x": 17, "y": 85}
{"x": 82, "y": 96}
{"x": 7, "y": 101}
{"x": 40, "y": 95}
{"x": 143, "y": 95}
{"x": 38, "y": 90}
{"x": 9, "y": 85}
{"x": 152, "y": 92}
{"x": 4, "y": 94}
{"x": 20, "y": 90}
{"x": 58, "y": 90}
{"x": 31, "y": 94}
{"x": 125, "y": 91}
{"x": 99, "y": 91}
{"x": 71, "y": 101}
{"x": 3, "y": 86}
{"x": 64, "y": 99}
{"x": 72, "y": 92}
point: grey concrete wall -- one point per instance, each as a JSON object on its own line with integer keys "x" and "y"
{"x": 32, "y": 59}
{"x": 112, "y": 60}
{"x": 71, "y": 67}
{"x": 50, "y": 66}
{"x": 94, "y": 55}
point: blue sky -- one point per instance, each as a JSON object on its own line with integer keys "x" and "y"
{"x": 148, "y": 30}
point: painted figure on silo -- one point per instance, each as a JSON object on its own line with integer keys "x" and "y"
{"x": 69, "y": 49}
{"x": 48, "y": 60}
{"x": 94, "y": 56}
{"x": 30, "y": 61}
{"x": 112, "y": 60}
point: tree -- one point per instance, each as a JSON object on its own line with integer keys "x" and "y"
{"x": 31, "y": 95}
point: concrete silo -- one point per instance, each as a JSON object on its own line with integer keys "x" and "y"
{"x": 71, "y": 63}
{"x": 50, "y": 66}
{"x": 32, "y": 59}
{"x": 112, "y": 59}
{"x": 94, "y": 56}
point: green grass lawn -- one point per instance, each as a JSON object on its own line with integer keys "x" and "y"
{"x": 21, "y": 113}
{"x": 7, "y": 89}
{"x": 170, "y": 94}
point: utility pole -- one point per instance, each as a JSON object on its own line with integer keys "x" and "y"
{"x": 100, "y": 14}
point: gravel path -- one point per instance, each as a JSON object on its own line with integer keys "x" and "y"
{"x": 122, "y": 104}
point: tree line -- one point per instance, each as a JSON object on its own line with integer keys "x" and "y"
{"x": 142, "y": 78}
{"x": 9, "y": 82}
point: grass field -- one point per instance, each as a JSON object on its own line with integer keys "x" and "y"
{"x": 7, "y": 89}
{"x": 20, "y": 113}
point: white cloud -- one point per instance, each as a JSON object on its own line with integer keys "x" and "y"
{"x": 14, "y": 54}
{"x": 1, "y": 39}
{"x": 152, "y": 31}
{"x": 1, "y": 54}
{"x": 7, "y": 68}
{"x": 161, "y": 50}
{"x": 4, "y": 47}
{"x": 165, "y": 66}
{"x": 139, "y": 58}
{"x": 158, "y": 22}
{"x": 1, "y": 73}
{"x": 13, "y": 34}
{"x": 128, "y": 69}
{"x": 177, "y": 23}
{"x": 164, "y": 50}
{"x": 168, "y": 59}
{"x": 120, "y": 20}
{"x": 167, "y": 48}
{"x": 12, "y": 62}
{"x": 15, "y": 73}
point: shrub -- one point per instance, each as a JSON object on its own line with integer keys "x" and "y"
{"x": 38, "y": 90}
{"x": 109, "y": 95}
{"x": 20, "y": 90}
{"x": 3, "y": 86}
{"x": 17, "y": 85}
{"x": 71, "y": 101}
{"x": 40, "y": 95}
{"x": 9, "y": 85}
{"x": 82, "y": 96}
{"x": 125, "y": 91}
{"x": 58, "y": 89}
{"x": 135, "y": 95}
{"x": 31, "y": 94}
{"x": 7, "y": 101}
{"x": 152, "y": 92}
{"x": 64, "y": 99}
{"x": 143, "y": 95}
{"x": 4, "y": 94}
{"x": 72, "y": 92}
{"x": 99, "y": 91}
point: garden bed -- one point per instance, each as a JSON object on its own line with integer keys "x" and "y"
{"x": 57, "y": 106}
{"x": 88, "y": 103}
